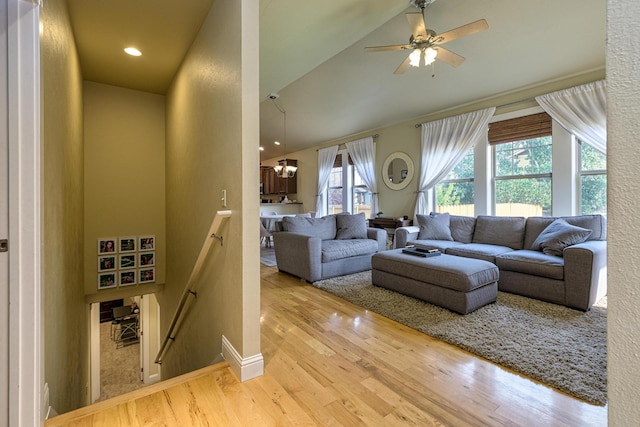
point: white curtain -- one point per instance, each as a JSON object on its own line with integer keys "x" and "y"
{"x": 363, "y": 154}
{"x": 326, "y": 158}
{"x": 444, "y": 144}
{"x": 581, "y": 110}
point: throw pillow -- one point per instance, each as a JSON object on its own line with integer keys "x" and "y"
{"x": 351, "y": 227}
{"x": 559, "y": 235}
{"x": 434, "y": 226}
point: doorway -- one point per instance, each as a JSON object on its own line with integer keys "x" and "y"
{"x": 124, "y": 345}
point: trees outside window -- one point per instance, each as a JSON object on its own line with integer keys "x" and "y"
{"x": 523, "y": 177}
{"x": 346, "y": 189}
{"x": 593, "y": 181}
{"x": 521, "y": 173}
{"x": 334, "y": 198}
{"x": 455, "y": 193}
{"x": 361, "y": 196}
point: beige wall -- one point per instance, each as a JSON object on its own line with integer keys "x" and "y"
{"x": 623, "y": 64}
{"x": 124, "y": 139}
{"x": 212, "y": 134}
{"x": 65, "y": 318}
{"x": 405, "y": 137}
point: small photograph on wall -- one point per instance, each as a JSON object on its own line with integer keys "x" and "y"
{"x": 147, "y": 275}
{"x": 107, "y": 263}
{"x": 147, "y": 243}
{"x": 147, "y": 259}
{"x": 127, "y": 244}
{"x": 107, "y": 246}
{"x": 107, "y": 280}
{"x": 127, "y": 261}
{"x": 127, "y": 277}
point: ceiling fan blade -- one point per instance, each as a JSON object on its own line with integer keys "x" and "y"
{"x": 386, "y": 48}
{"x": 449, "y": 57}
{"x": 465, "y": 30}
{"x": 418, "y": 29}
{"x": 403, "y": 67}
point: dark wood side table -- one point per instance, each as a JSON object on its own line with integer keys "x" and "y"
{"x": 389, "y": 222}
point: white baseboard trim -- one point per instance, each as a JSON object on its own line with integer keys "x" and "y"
{"x": 245, "y": 369}
{"x": 153, "y": 378}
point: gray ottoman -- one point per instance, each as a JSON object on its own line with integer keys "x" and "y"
{"x": 457, "y": 283}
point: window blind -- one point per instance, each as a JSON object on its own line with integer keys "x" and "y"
{"x": 338, "y": 162}
{"x": 520, "y": 128}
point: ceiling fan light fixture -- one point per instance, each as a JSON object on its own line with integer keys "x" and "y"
{"x": 430, "y": 55}
{"x": 414, "y": 57}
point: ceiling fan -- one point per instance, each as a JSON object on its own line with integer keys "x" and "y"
{"x": 425, "y": 44}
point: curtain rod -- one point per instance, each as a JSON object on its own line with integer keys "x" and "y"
{"x": 509, "y": 104}
{"x": 372, "y": 136}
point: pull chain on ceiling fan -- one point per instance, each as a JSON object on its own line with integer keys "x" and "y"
{"x": 425, "y": 44}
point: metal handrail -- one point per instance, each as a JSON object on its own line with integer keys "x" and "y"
{"x": 188, "y": 290}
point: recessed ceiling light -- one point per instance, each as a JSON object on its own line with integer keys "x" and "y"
{"x": 261, "y": 148}
{"x": 276, "y": 142}
{"x": 133, "y": 51}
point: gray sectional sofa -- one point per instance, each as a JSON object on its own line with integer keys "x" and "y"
{"x": 334, "y": 245}
{"x": 559, "y": 260}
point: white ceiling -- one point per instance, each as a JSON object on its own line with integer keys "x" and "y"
{"x": 313, "y": 56}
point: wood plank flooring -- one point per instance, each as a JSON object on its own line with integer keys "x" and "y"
{"x": 331, "y": 363}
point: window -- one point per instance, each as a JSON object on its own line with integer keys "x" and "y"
{"x": 346, "y": 188}
{"x": 334, "y": 195}
{"x": 455, "y": 193}
{"x": 593, "y": 181}
{"x": 361, "y": 195}
{"x": 522, "y": 165}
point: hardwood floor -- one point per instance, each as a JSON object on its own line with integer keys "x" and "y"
{"x": 330, "y": 363}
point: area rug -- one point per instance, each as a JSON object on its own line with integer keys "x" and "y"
{"x": 267, "y": 256}
{"x": 555, "y": 345}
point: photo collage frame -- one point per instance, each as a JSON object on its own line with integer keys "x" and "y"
{"x": 126, "y": 261}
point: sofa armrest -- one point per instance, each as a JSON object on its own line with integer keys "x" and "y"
{"x": 585, "y": 273}
{"x": 404, "y": 235}
{"x": 380, "y": 235}
{"x": 299, "y": 254}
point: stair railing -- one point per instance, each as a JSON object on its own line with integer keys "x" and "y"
{"x": 189, "y": 287}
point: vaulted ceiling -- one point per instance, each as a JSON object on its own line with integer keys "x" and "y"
{"x": 312, "y": 55}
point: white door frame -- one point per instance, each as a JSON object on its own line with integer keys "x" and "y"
{"x": 26, "y": 385}
{"x": 4, "y": 223}
{"x": 149, "y": 343}
{"x": 94, "y": 323}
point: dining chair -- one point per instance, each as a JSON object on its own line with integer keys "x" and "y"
{"x": 265, "y": 235}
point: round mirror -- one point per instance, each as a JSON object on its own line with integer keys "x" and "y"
{"x": 397, "y": 170}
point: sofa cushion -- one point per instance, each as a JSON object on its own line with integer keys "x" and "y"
{"x": 462, "y": 228}
{"x": 333, "y": 250}
{"x": 558, "y": 236}
{"x": 532, "y": 262}
{"x": 434, "y": 226}
{"x": 478, "y": 251}
{"x": 500, "y": 230}
{"x": 351, "y": 226}
{"x": 324, "y": 228}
